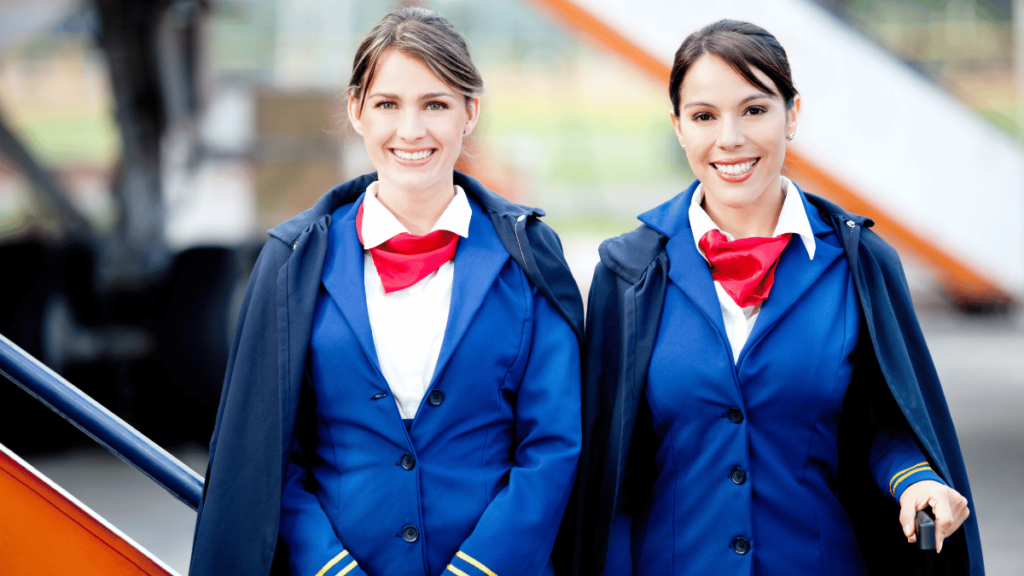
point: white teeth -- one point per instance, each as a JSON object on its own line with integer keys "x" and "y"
{"x": 734, "y": 169}
{"x": 413, "y": 155}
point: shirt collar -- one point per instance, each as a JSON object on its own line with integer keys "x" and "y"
{"x": 792, "y": 219}
{"x": 380, "y": 225}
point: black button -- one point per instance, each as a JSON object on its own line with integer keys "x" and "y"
{"x": 410, "y": 534}
{"x": 435, "y": 398}
{"x": 735, "y": 415}
{"x": 408, "y": 462}
{"x": 740, "y": 545}
{"x": 738, "y": 475}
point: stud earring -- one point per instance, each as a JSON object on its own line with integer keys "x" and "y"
{"x": 789, "y": 137}
{"x": 684, "y": 146}
{"x": 463, "y": 132}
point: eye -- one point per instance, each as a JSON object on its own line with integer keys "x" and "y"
{"x": 755, "y": 110}
{"x": 386, "y": 105}
{"x": 436, "y": 106}
{"x": 702, "y": 117}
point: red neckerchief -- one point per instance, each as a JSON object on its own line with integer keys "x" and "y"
{"x": 406, "y": 259}
{"x": 745, "y": 268}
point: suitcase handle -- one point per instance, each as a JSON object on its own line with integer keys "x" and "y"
{"x": 925, "y": 524}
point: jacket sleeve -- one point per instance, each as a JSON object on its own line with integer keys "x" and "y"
{"x": 311, "y": 544}
{"x": 236, "y": 524}
{"x": 894, "y": 458}
{"x": 897, "y": 462}
{"x": 516, "y": 531}
{"x": 623, "y": 314}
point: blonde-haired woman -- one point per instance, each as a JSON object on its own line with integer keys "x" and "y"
{"x": 403, "y": 394}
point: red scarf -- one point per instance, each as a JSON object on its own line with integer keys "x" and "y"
{"x": 745, "y": 268}
{"x": 406, "y": 259}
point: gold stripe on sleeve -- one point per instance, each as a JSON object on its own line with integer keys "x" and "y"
{"x": 909, "y": 473}
{"x": 456, "y": 571}
{"x": 333, "y": 561}
{"x": 478, "y": 565}
{"x": 348, "y": 568}
{"x": 896, "y": 475}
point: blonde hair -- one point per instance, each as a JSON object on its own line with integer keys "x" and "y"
{"x": 424, "y": 35}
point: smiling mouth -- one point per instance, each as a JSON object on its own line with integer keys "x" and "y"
{"x": 419, "y": 155}
{"x": 736, "y": 168}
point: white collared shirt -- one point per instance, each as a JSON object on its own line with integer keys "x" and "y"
{"x": 408, "y": 325}
{"x": 792, "y": 219}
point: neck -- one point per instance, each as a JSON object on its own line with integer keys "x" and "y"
{"x": 417, "y": 211}
{"x": 757, "y": 219}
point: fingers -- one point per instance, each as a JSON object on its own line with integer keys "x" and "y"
{"x": 943, "y": 516}
{"x": 908, "y": 510}
{"x": 951, "y": 511}
{"x": 959, "y": 512}
{"x": 914, "y": 498}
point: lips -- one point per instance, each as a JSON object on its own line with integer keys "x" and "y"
{"x": 412, "y": 156}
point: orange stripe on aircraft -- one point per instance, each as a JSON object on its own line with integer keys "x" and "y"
{"x": 964, "y": 283}
{"x": 43, "y": 532}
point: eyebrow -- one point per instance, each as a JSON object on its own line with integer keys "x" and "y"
{"x": 437, "y": 95}
{"x": 757, "y": 96}
{"x": 391, "y": 96}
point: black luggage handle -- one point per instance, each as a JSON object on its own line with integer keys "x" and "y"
{"x": 925, "y": 524}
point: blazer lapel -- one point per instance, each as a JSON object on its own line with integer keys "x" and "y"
{"x": 690, "y": 273}
{"x": 794, "y": 275}
{"x": 343, "y": 277}
{"x": 687, "y": 269}
{"x": 478, "y": 260}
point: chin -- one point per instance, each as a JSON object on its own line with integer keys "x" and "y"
{"x": 737, "y": 196}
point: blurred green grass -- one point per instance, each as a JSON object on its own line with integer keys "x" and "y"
{"x": 73, "y": 137}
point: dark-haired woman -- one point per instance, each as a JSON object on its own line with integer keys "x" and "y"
{"x": 403, "y": 393}
{"x": 758, "y": 397}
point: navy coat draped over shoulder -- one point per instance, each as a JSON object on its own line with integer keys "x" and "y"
{"x": 894, "y": 369}
{"x": 237, "y": 524}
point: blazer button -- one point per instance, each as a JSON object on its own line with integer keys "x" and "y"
{"x": 410, "y": 534}
{"x": 738, "y": 476}
{"x": 408, "y": 462}
{"x": 435, "y": 398}
{"x": 735, "y": 415}
{"x": 740, "y": 545}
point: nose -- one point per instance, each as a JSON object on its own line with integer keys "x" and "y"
{"x": 730, "y": 133}
{"x": 411, "y": 126}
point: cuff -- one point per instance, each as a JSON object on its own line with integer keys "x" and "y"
{"x": 916, "y": 473}
{"x": 341, "y": 565}
{"x": 465, "y": 565}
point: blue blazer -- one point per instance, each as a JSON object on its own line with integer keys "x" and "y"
{"x": 257, "y": 454}
{"x": 894, "y": 373}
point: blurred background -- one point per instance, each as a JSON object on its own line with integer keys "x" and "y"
{"x": 147, "y": 146}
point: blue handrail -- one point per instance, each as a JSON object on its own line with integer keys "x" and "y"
{"x": 102, "y": 425}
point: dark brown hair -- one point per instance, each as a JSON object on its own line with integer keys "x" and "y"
{"x": 424, "y": 35}
{"x": 742, "y": 45}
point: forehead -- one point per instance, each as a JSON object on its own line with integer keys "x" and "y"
{"x": 712, "y": 80}
{"x": 401, "y": 74}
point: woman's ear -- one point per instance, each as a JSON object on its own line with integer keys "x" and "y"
{"x": 472, "y": 115}
{"x": 677, "y": 127}
{"x": 791, "y": 117}
{"x": 354, "y": 113}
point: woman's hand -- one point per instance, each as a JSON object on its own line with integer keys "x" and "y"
{"x": 948, "y": 506}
